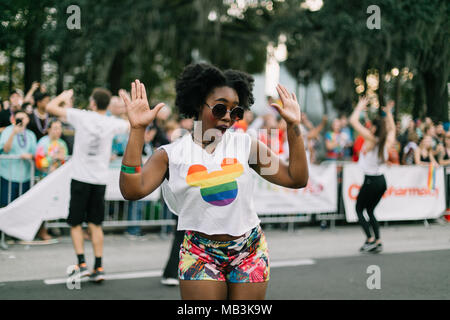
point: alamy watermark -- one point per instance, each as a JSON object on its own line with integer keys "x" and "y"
{"x": 267, "y": 162}
{"x": 374, "y": 280}
{"x": 73, "y": 282}
{"x": 74, "y": 20}
{"x": 374, "y": 20}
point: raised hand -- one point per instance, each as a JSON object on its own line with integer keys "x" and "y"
{"x": 66, "y": 97}
{"x": 362, "y": 103}
{"x": 125, "y": 93}
{"x": 35, "y": 85}
{"x": 389, "y": 106}
{"x": 290, "y": 109}
{"x": 53, "y": 107}
{"x": 139, "y": 113}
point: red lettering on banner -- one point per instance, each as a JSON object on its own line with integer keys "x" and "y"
{"x": 353, "y": 191}
{"x": 313, "y": 188}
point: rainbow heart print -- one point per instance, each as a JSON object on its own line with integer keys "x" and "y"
{"x": 218, "y": 188}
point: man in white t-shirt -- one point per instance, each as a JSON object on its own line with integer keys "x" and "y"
{"x": 94, "y": 132}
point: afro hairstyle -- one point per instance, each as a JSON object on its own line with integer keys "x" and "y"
{"x": 198, "y": 80}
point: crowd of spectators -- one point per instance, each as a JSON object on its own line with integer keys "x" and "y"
{"x": 28, "y": 132}
{"x": 420, "y": 142}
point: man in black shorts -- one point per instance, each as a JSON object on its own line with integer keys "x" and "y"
{"x": 94, "y": 132}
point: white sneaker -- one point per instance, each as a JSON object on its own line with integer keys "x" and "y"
{"x": 170, "y": 281}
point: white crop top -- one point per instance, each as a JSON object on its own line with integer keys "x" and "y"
{"x": 211, "y": 193}
{"x": 369, "y": 161}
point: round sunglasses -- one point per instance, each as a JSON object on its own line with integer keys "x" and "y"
{"x": 220, "y": 110}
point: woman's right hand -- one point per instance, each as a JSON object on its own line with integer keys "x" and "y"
{"x": 139, "y": 113}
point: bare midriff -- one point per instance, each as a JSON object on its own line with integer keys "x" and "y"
{"x": 218, "y": 237}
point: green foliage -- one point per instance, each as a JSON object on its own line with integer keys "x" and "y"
{"x": 121, "y": 40}
{"x": 335, "y": 39}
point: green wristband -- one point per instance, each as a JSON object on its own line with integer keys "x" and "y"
{"x": 130, "y": 170}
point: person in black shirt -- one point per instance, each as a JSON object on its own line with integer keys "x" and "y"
{"x": 14, "y": 103}
{"x": 5, "y": 114}
{"x": 40, "y": 119}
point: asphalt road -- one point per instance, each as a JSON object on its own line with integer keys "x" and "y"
{"x": 410, "y": 275}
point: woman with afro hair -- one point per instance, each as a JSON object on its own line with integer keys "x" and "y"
{"x": 206, "y": 179}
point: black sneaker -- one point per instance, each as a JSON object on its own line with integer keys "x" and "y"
{"x": 368, "y": 246}
{"x": 97, "y": 275}
{"x": 81, "y": 270}
{"x": 363, "y": 246}
{"x": 377, "y": 249}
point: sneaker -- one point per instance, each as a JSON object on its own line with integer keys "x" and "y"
{"x": 97, "y": 275}
{"x": 368, "y": 246}
{"x": 170, "y": 281}
{"x": 378, "y": 248}
{"x": 363, "y": 247}
{"x": 80, "y": 269}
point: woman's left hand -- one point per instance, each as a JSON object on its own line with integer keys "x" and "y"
{"x": 290, "y": 109}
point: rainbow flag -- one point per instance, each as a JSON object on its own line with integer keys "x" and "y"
{"x": 218, "y": 188}
{"x": 431, "y": 184}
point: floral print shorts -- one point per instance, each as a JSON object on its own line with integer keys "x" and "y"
{"x": 242, "y": 260}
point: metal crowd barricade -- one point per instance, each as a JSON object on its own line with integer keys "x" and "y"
{"x": 301, "y": 217}
{"x": 5, "y": 158}
{"x": 155, "y": 213}
{"x": 447, "y": 188}
{"x": 116, "y": 215}
{"x": 340, "y": 214}
{"x": 122, "y": 213}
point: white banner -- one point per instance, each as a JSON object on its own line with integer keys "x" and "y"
{"x": 49, "y": 200}
{"x": 319, "y": 196}
{"x": 113, "y": 190}
{"x": 407, "y": 196}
